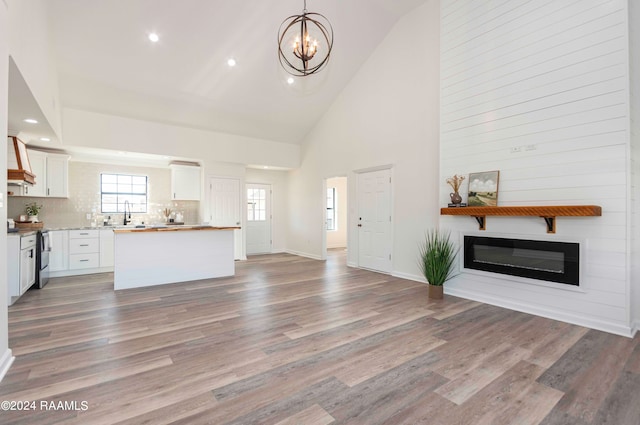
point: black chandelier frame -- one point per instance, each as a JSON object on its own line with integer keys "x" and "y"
{"x": 304, "y": 21}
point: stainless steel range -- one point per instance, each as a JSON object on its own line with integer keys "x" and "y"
{"x": 43, "y": 248}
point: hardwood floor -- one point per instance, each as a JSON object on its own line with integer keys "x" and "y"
{"x": 290, "y": 340}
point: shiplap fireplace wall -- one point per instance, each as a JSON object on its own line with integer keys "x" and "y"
{"x": 539, "y": 90}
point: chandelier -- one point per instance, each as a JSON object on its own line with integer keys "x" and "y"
{"x": 304, "y": 43}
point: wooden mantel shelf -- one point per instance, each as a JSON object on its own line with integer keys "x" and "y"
{"x": 548, "y": 213}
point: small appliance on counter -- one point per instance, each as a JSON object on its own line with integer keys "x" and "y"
{"x": 11, "y": 226}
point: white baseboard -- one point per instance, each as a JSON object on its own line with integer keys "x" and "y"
{"x": 614, "y": 328}
{"x": 600, "y": 325}
{"x": 5, "y": 363}
{"x": 65, "y": 273}
{"x": 409, "y": 276}
{"x": 303, "y": 254}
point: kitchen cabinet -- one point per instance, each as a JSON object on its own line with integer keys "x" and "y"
{"x": 185, "y": 182}
{"x": 27, "y": 264}
{"x": 52, "y": 175}
{"x": 59, "y": 256}
{"x": 81, "y": 251}
{"x": 106, "y": 248}
{"x": 21, "y": 265}
{"x": 84, "y": 249}
{"x": 13, "y": 268}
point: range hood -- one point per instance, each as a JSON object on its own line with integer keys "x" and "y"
{"x": 18, "y": 165}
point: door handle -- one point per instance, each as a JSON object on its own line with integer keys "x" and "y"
{"x": 359, "y": 225}
{"x": 237, "y": 223}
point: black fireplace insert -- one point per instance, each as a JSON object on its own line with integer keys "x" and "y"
{"x": 543, "y": 260}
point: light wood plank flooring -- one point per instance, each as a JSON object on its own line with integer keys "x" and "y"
{"x": 290, "y": 340}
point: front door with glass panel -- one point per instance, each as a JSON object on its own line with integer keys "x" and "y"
{"x": 258, "y": 218}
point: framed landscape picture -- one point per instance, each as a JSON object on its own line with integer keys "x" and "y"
{"x": 483, "y": 189}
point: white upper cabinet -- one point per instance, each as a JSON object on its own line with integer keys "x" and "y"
{"x": 185, "y": 182}
{"x": 38, "y": 162}
{"x": 52, "y": 174}
{"x": 58, "y": 175}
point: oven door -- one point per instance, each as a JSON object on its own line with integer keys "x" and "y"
{"x": 42, "y": 259}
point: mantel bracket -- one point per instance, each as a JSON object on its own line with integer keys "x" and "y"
{"x": 481, "y": 222}
{"x": 551, "y": 224}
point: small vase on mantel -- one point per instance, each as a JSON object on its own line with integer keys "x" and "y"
{"x": 455, "y": 198}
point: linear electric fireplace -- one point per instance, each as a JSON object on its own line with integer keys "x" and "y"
{"x": 542, "y": 260}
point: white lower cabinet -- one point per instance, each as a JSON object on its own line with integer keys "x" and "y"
{"x": 13, "y": 268}
{"x": 106, "y": 248}
{"x": 81, "y": 251}
{"x": 84, "y": 249}
{"x": 21, "y": 265}
{"x": 59, "y": 256}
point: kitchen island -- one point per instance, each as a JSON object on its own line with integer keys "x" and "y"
{"x": 157, "y": 255}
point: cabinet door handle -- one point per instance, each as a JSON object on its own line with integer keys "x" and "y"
{"x": 47, "y": 191}
{"x": 86, "y": 244}
{"x": 83, "y": 261}
{"x": 84, "y": 234}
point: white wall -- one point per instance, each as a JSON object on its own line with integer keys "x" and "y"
{"x": 31, "y": 48}
{"x": 5, "y": 353}
{"x": 387, "y": 114}
{"x": 634, "y": 53}
{"x": 549, "y": 80}
{"x": 338, "y": 238}
{"x": 279, "y": 204}
{"x": 94, "y": 130}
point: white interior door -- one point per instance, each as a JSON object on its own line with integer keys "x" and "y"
{"x": 224, "y": 207}
{"x": 374, "y": 220}
{"x": 258, "y": 218}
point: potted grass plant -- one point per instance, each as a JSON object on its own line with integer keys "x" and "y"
{"x": 437, "y": 257}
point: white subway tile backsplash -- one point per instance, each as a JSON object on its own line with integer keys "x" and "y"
{"x": 84, "y": 198}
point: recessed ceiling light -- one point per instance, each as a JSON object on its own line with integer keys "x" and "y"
{"x": 290, "y": 80}
{"x": 265, "y": 167}
{"x": 30, "y": 121}
{"x": 231, "y": 62}
{"x": 153, "y": 37}
{"x": 45, "y": 139}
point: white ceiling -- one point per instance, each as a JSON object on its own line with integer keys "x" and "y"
{"x": 106, "y": 63}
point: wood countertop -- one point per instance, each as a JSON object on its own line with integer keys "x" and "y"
{"x": 170, "y": 229}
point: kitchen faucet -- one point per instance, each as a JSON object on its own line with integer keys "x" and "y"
{"x": 126, "y": 203}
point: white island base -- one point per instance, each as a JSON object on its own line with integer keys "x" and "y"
{"x": 156, "y": 256}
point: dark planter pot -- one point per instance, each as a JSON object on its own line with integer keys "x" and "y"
{"x": 436, "y": 292}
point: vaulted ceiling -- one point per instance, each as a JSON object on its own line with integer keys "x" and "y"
{"x": 107, "y": 64}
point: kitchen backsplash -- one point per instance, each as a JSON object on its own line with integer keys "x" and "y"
{"x": 84, "y": 198}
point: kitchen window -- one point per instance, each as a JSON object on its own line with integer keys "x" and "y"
{"x": 115, "y": 189}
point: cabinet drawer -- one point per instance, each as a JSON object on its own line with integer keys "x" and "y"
{"x": 84, "y": 261}
{"x": 27, "y": 242}
{"x": 78, "y": 234}
{"x": 84, "y": 246}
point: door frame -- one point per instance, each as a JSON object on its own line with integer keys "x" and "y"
{"x": 353, "y": 254}
{"x": 323, "y": 248}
